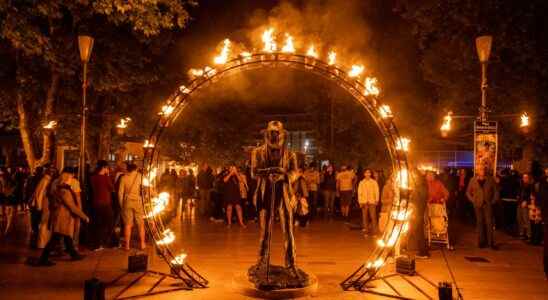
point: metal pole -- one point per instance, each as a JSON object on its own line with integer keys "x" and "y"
{"x": 82, "y": 166}
{"x": 483, "y": 108}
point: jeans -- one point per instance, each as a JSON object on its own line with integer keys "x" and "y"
{"x": 329, "y": 198}
{"x": 369, "y": 213}
{"x": 484, "y": 223}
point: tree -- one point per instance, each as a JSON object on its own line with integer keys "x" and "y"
{"x": 41, "y": 39}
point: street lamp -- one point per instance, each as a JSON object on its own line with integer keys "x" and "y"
{"x": 85, "y": 45}
{"x": 483, "y": 47}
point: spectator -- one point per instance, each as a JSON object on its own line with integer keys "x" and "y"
{"x": 312, "y": 177}
{"x": 129, "y": 195}
{"x": 7, "y": 201}
{"x": 542, "y": 201}
{"x": 205, "y": 185}
{"x": 509, "y": 189}
{"x": 387, "y": 198}
{"x": 217, "y": 196}
{"x": 187, "y": 189}
{"x": 116, "y": 208}
{"x": 300, "y": 188}
{"x": 64, "y": 212}
{"x": 232, "y": 196}
{"x": 535, "y": 218}
{"x": 329, "y": 184}
{"x": 368, "y": 198}
{"x": 437, "y": 195}
{"x": 418, "y": 199}
{"x": 40, "y": 211}
{"x": 243, "y": 188}
{"x": 346, "y": 180}
{"x": 462, "y": 201}
{"x": 75, "y": 187}
{"x": 482, "y": 192}
{"x": 102, "y": 187}
{"x": 524, "y": 200}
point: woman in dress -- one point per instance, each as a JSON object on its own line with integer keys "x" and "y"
{"x": 233, "y": 195}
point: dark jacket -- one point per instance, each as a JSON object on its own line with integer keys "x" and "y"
{"x": 542, "y": 198}
{"x": 205, "y": 180}
{"x": 479, "y": 195}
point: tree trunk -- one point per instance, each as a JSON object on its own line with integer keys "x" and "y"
{"x": 47, "y": 139}
{"x": 24, "y": 131}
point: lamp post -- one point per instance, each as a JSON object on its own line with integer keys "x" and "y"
{"x": 483, "y": 47}
{"x": 85, "y": 45}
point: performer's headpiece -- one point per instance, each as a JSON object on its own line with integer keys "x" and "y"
{"x": 274, "y": 135}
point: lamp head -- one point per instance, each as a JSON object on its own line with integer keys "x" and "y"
{"x": 85, "y": 45}
{"x": 483, "y": 46}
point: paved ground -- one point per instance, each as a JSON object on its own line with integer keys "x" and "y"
{"x": 329, "y": 249}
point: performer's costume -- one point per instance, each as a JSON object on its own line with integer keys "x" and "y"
{"x": 272, "y": 165}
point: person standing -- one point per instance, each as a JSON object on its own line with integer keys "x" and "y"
{"x": 346, "y": 180}
{"x": 542, "y": 201}
{"x": 387, "y": 198}
{"x": 205, "y": 185}
{"x": 232, "y": 196}
{"x": 481, "y": 192}
{"x": 329, "y": 183}
{"x": 312, "y": 177}
{"x": 102, "y": 187}
{"x": 129, "y": 195}
{"x": 438, "y": 195}
{"x": 64, "y": 213}
{"x": 418, "y": 199}
{"x": 300, "y": 192}
{"x": 40, "y": 212}
{"x": 524, "y": 200}
{"x": 368, "y": 198}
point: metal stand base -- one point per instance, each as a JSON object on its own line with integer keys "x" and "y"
{"x": 363, "y": 286}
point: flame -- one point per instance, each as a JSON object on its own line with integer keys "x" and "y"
{"x": 223, "y": 56}
{"x": 385, "y": 111}
{"x": 183, "y": 89}
{"x": 312, "y": 52}
{"x": 168, "y": 238}
{"x": 268, "y": 40}
{"x": 196, "y": 72}
{"x": 167, "y": 110}
{"x": 427, "y": 168}
{"x": 403, "y": 178}
{"x": 50, "y": 125}
{"x": 393, "y": 238}
{"x": 524, "y": 120}
{"x": 123, "y": 122}
{"x": 371, "y": 87}
{"x": 150, "y": 175}
{"x": 378, "y": 263}
{"x": 179, "y": 259}
{"x": 446, "y": 126}
{"x": 356, "y": 70}
{"x": 288, "y": 47}
{"x": 148, "y": 144}
{"x": 403, "y": 144}
{"x": 245, "y": 54}
{"x": 331, "y": 57}
{"x": 159, "y": 204}
{"x": 381, "y": 243}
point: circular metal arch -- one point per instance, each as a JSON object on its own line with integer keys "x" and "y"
{"x": 180, "y": 99}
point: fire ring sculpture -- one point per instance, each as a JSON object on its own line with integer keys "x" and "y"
{"x": 363, "y": 90}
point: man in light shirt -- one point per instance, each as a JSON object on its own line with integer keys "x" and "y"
{"x": 129, "y": 195}
{"x": 345, "y": 187}
{"x": 368, "y": 198}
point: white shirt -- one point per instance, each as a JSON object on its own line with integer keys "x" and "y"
{"x": 368, "y": 191}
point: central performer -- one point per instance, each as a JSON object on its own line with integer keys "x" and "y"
{"x": 278, "y": 188}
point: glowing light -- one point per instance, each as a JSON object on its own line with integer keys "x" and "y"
{"x": 168, "y": 238}
{"x": 50, "y": 125}
{"x": 405, "y": 227}
{"x": 245, "y": 54}
{"x": 393, "y": 238}
{"x": 223, "y": 56}
{"x": 371, "y": 87}
{"x": 385, "y": 111}
{"x": 380, "y": 243}
{"x": 209, "y": 71}
{"x": 179, "y": 259}
{"x": 288, "y": 46}
{"x": 403, "y": 179}
{"x": 402, "y": 144}
{"x": 369, "y": 265}
{"x": 123, "y": 122}
{"x": 183, "y": 89}
{"x": 148, "y": 144}
{"x": 446, "y": 126}
{"x": 268, "y": 40}
{"x": 159, "y": 204}
{"x": 331, "y": 58}
{"x": 196, "y": 72}
{"x": 312, "y": 52}
{"x": 150, "y": 176}
{"x": 356, "y": 70}
{"x": 167, "y": 110}
{"x": 428, "y": 168}
{"x": 524, "y": 120}
{"x": 378, "y": 263}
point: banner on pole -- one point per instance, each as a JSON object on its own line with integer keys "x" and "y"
{"x": 485, "y": 146}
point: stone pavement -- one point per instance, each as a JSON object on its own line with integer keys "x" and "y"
{"x": 327, "y": 248}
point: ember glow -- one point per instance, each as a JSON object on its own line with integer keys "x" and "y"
{"x": 524, "y": 120}
{"x": 288, "y": 46}
{"x": 196, "y": 72}
{"x": 223, "y": 56}
{"x": 331, "y": 58}
{"x": 148, "y": 144}
{"x": 385, "y": 111}
{"x": 167, "y": 110}
{"x": 123, "y": 123}
{"x": 50, "y": 125}
{"x": 371, "y": 87}
{"x": 168, "y": 238}
{"x": 356, "y": 70}
{"x": 403, "y": 179}
{"x": 446, "y": 126}
{"x": 378, "y": 263}
{"x": 149, "y": 177}
{"x": 183, "y": 89}
{"x": 268, "y": 40}
{"x": 312, "y": 52}
{"x": 159, "y": 204}
{"x": 179, "y": 259}
{"x": 402, "y": 144}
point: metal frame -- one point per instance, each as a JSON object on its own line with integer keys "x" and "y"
{"x": 180, "y": 99}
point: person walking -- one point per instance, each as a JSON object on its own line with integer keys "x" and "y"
{"x": 481, "y": 192}
{"x": 232, "y": 196}
{"x": 329, "y": 184}
{"x": 129, "y": 195}
{"x": 40, "y": 211}
{"x": 205, "y": 185}
{"x": 102, "y": 187}
{"x": 368, "y": 198}
{"x": 64, "y": 213}
{"x": 346, "y": 179}
{"x": 524, "y": 200}
{"x": 312, "y": 178}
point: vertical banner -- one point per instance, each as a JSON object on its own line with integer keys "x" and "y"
{"x": 485, "y": 146}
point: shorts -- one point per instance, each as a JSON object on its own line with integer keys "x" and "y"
{"x": 133, "y": 210}
{"x": 346, "y": 198}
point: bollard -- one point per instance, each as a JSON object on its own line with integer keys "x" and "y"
{"x": 94, "y": 289}
{"x": 445, "y": 290}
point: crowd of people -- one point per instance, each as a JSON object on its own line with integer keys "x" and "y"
{"x": 508, "y": 201}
